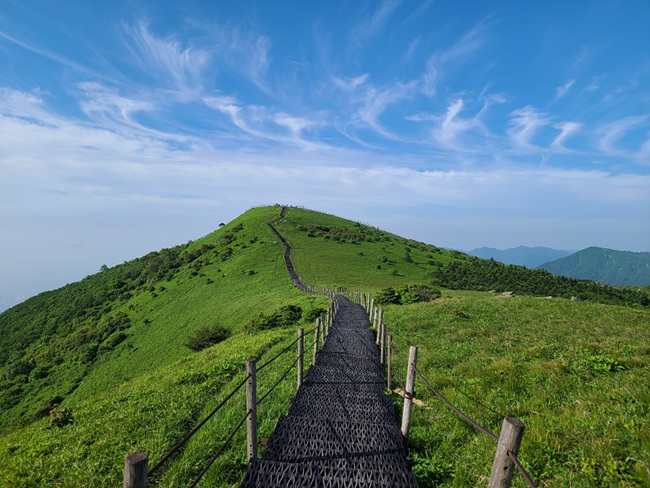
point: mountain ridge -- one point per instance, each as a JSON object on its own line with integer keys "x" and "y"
{"x": 616, "y": 268}
{"x": 531, "y": 257}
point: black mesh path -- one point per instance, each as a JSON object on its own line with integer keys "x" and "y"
{"x": 341, "y": 429}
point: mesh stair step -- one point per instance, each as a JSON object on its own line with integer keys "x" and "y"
{"x": 311, "y": 475}
{"x": 297, "y": 439}
{"x": 342, "y": 404}
{"x": 342, "y": 360}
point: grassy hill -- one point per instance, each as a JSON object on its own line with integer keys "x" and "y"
{"x": 110, "y": 355}
{"x": 619, "y": 268}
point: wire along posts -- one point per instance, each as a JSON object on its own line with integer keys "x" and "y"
{"x": 509, "y": 440}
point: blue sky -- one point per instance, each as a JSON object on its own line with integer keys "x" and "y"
{"x": 128, "y": 126}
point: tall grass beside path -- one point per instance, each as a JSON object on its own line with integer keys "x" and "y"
{"x": 576, "y": 374}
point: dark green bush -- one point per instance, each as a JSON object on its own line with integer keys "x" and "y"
{"x": 405, "y": 294}
{"x": 312, "y": 314}
{"x": 387, "y": 296}
{"x": 283, "y": 317}
{"x": 208, "y": 336}
{"x": 60, "y": 417}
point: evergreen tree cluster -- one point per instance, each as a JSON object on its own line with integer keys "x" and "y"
{"x": 485, "y": 275}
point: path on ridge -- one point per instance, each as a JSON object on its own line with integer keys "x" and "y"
{"x": 341, "y": 429}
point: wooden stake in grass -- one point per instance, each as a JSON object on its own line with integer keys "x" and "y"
{"x": 380, "y": 320}
{"x": 382, "y": 341}
{"x": 301, "y": 354}
{"x": 323, "y": 331}
{"x": 251, "y": 407}
{"x": 316, "y": 331}
{"x": 136, "y": 470}
{"x": 409, "y": 392}
{"x": 389, "y": 362}
{"x": 512, "y": 431}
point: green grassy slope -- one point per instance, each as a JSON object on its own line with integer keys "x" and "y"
{"x": 333, "y": 252}
{"x": 113, "y": 348}
{"x": 141, "y": 319}
{"x": 577, "y": 374}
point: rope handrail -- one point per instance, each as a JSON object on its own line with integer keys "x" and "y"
{"x": 221, "y": 449}
{"x": 260, "y": 368}
{"x": 513, "y": 457}
{"x": 464, "y": 416}
{"x": 195, "y": 429}
{"x": 521, "y": 469}
{"x": 461, "y": 414}
{"x": 286, "y": 373}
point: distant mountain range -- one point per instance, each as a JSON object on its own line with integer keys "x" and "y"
{"x": 619, "y": 268}
{"x": 531, "y": 257}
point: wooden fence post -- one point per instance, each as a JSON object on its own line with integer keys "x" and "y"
{"x": 322, "y": 331}
{"x": 301, "y": 354}
{"x": 136, "y": 470}
{"x": 372, "y": 308}
{"x": 316, "y": 331}
{"x": 389, "y": 362}
{"x": 512, "y": 430}
{"x": 330, "y": 316}
{"x": 251, "y": 407}
{"x": 380, "y": 320}
{"x": 382, "y": 342}
{"x": 409, "y": 392}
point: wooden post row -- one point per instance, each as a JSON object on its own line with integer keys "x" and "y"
{"x": 251, "y": 408}
{"x": 409, "y": 392}
{"x": 512, "y": 430}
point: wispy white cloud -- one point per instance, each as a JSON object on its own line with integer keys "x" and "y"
{"x": 373, "y": 24}
{"x": 79, "y": 67}
{"x": 350, "y": 84}
{"x": 106, "y": 106}
{"x": 567, "y": 129}
{"x": 612, "y": 133}
{"x": 410, "y": 51}
{"x": 562, "y": 90}
{"x": 25, "y": 105}
{"x": 262, "y": 123}
{"x": 182, "y": 66}
{"x": 376, "y": 101}
{"x": 452, "y": 126}
{"x": 258, "y": 58}
{"x": 451, "y": 58}
{"x": 524, "y": 124}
